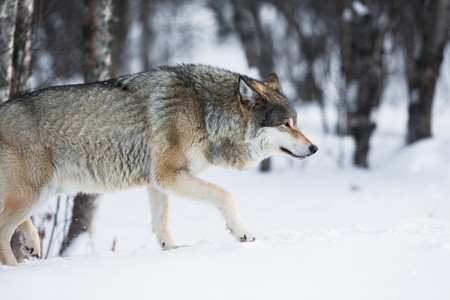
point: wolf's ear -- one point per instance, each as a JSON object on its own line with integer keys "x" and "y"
{"x": 248, "y": 92}
{"x": 272, "y": 81}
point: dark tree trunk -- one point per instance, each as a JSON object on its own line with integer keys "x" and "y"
{"x": 57, "y": 35}
{"x": 121, "y": 21}
{"x": 362, "y": 67}
{"x": 245, "y": 28}
{"x": 21, "y": 63}
{"x": 97, "y": 39}
{"x": 432, "y": 21}
{"x": 145, "y": 15}
{"x": 8, "y": 11}
{"x": 83, "y": 213}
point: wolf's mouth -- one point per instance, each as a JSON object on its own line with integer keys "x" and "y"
{"x": 291, "y": 154}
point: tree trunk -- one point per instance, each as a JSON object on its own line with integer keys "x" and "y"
{"x": 147, "y": 37}
{"x": 8, "y": 10}
{"x": 362, "y": 67}
{"x": 121, "y": 21}
{"x": 83, "y": 213}
{"x": 21, "y": 63}
{"x": 423, "y": 70}
{"x": 97, "y": 39}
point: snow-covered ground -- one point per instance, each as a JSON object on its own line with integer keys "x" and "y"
{"x": 323, "y": 232}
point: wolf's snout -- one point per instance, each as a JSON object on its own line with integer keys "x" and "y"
{"x": 313, "y": 149}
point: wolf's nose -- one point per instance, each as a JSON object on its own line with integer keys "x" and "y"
{"x": 313, "y": 149}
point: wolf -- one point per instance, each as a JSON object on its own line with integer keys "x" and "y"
{"x": 157, "y": 129}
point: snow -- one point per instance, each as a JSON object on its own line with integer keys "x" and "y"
{"x": 360, "y": 9}
{"x": 392, "y": 261}
{"x": 347, "y": 15}
{"x": 323, "y": 232}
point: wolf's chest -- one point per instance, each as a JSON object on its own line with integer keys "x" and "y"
{"x": 197, "y": 161}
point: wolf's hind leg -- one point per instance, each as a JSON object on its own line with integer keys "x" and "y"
{"x": 10, "y": 218}
{"x": 31, "y": 242}
{"x": 159, "y": 205}
{"x": 25, "y": 242}
{"x": 6, "y": 254}
{"x": 24, "y": 176}
{"x": 188, "y": 185}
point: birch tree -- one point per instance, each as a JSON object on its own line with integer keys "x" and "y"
{"x": 8, "y": 11}
{"x": 21, "y": 56}
{"x": 97, "y": 40}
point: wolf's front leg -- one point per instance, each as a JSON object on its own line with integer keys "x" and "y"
{"x": 159, "y": 205}
{"x": 185, "y": 184}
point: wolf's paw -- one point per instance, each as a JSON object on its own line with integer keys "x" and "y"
{"x": 166, "y": 241}
{"x": 173, "y": 247}
{"x": 242, "y": 235}
{"x": 32, "y": 245}
{"x": 25, "y": 247}
{"x": 246, "y": 238}
{"x": 31, "y": 252}
{"x": 168, "y": 246}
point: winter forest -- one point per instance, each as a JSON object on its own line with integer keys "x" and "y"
{"x": 366, "y": 217}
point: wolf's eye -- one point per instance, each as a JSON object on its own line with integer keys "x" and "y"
{"x": 287, "y": 124}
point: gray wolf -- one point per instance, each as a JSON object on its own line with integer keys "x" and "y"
{"x": 156, "y": 129}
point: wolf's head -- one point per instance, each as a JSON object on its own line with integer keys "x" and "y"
{"x": 272, "y": 119}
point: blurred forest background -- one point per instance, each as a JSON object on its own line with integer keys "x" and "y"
{"x": 352, "y": 48}
{"x": 310, "y": 43}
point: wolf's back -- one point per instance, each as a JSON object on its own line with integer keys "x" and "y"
{"x": 107, "y": 131}
{"x": 176, "y": 96}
